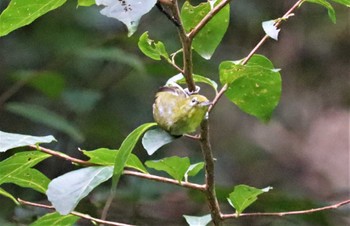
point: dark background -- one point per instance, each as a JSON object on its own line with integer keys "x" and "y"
{"x": 105, "y": 88}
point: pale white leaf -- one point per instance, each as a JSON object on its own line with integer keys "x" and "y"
{"x": 212, "y": 3}
{"x": 155, "y": 139}
{"x": 65, "y": 192}
{"x": 198, "y": 221}
{"x": 270, "y": 29}
{"x": 14, "y": 140}
{"x": 127, "y": 11}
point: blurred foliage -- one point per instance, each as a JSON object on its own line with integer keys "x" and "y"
{"x": 81, "y": 66}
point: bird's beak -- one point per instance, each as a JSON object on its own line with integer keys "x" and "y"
{"x": 206, "y": 103}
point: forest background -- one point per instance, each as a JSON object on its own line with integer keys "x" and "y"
{"x": 97, "y": 79}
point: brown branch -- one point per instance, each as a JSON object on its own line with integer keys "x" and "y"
{"x": 125, "y": 172}
{"x": 217, "y": 97}
{"x": 186, "y": 43}
{"x": 278, "y": 23}
{"x": 207, "y": 18}
{"x": 165, "y": 180}
{"x": 78, "y": 214}
{"x": 254, "y": 50}
{"x": 281, "y": 214}
{"x": 209, "y": 173}
{"x": 62, "y": 155}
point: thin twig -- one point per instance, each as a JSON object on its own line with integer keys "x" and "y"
{"x": 125, "y": 172}
{"x": 278, "y": 23}
{"x": 217, "y": 97}
{"x": 281, "y": 214}
{"x": 75, "y": 213}
{"x": 253, "y": 51}
{"x": 173, "y": 62}
{"x": 108, "y": 203}
{"x": 62, "y": 155}
{"x": 207, "y": 18}
{"x": 165, "y": 180}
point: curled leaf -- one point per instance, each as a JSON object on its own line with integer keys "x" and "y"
{"x": 270, "y": 29}
{"x": 155, "y": 139}
{"x": 197, "y": 221}
{"x": 151, "y": 48}
{"x": 179, "y": 78}
{"x": 127, "y": 11}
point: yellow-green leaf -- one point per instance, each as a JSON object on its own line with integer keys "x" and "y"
{"x": 55, "y": 219}
{"x": 207, "y": 39}
{"x": 126, "y": 148}
{"x": 17, "y": 169}
{"x": 255, "y": 87}
{"x": 23, "y": 12}
{"x": 244, "y": 195}
{"x": 151, "y": 48}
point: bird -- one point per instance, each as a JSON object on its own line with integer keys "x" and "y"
{"x": 178, "y": 111}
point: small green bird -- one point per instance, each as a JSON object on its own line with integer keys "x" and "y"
{"x": 178, "y": 112}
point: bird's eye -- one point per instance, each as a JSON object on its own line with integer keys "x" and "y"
{"x": 194, "y": 101}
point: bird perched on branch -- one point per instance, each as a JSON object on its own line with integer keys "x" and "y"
{"x": 177, "y": 111}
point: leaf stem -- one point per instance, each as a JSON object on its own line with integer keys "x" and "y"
{"x": 78, "y": 214}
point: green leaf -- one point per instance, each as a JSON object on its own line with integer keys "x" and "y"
{"x": 44, "y": 116}
{"x": 14, "y": 140}
{"x": 155, "y": 139}
{"x": 198, "y": 221}
{"x": 207, "y": 39}
{"x": 152, "y": 49}
{"x": 179, "y": 78}
{"x": 175, "y": 166}
{"x": 17, "y": 169}
{"x": 126, "y": 148}
{"x": 343, "y": 2}
{"x": 102, "y": 156}
{"x": 56, "y": 219}
{"x": 65, "y": 192}
{"x": 8, "y": 195}
{"x": 327, "y": 5}
{"x": 194, "y": 169}
{"x": 49, "y": 83}
{"x": 243, "y": 196}
{"x": 255, "y": 87}
{"x": 135, "y": 163}
{"x": 86, "y": 2}
{"x": 105, "y": 156}
{"x": 23, "y": 12}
